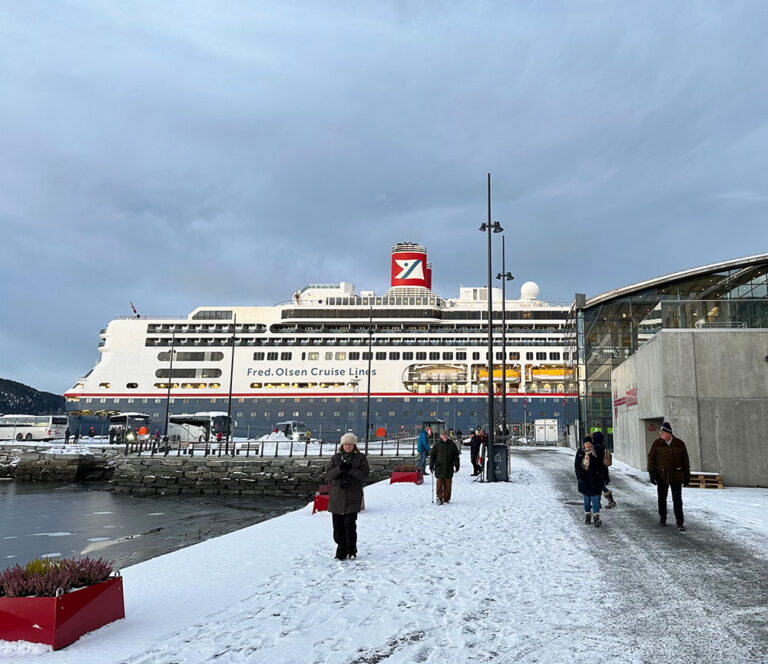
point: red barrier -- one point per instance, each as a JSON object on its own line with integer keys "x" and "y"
{"x": 59, "y": 621}
{"x": 414, "y": 476}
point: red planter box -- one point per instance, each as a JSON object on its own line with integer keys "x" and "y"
{"x": 414, "y": 476}
{"x": 58, "y": 621}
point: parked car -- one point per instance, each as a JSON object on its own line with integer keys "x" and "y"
{"x": 522, "y": 440}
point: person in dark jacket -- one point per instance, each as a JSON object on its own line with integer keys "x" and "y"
{"x": 347, "y": 471}
{"x": 443, "y": 462}
{"x": 474, "y": 451}
{"x": 597, "y": 442}
{"x": 669, "y": 468}
{"x": 67, "y": 434}
{"x": 589, "y": 472}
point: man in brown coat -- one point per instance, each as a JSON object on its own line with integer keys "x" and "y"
{"x": 669, "y": 468}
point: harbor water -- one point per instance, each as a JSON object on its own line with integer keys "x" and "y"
{"x": 40, "y": 520}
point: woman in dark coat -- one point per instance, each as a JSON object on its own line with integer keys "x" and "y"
{"x": 591, "y": 476}
{"x": 347, "y": 471}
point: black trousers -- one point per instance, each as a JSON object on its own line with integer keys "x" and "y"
{"x": 476, "y": 467}
{"x": 677, "y": 499}
{"x": 345, "y": 534}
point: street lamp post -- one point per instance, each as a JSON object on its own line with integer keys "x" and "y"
{"x": 231, "y": 378}
{"x": 170, "y": 380}
{"x": 368, "y": 394}
{"x": 490, "y": 227}
{"x": 505, "y": 277}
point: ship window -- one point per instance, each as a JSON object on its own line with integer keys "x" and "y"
{"x": 281, "y": 413}
{"x": 366, "y": 356}
{"x": 258, "y": 356}
{"x": 461, "y": 355}
{"x": 105, "y": 385}
{"x": 475, "y": 356}
{"x": 313, "y": 356}
{"x": 447, "y": 356}
{"x": 256, "y": 386}
{"x": 554, "y": 356}
{"x": 336, "y": 413}
{"x": 286, "y": 356}
{"x": 394, "y": 356}
{"x": 329, "y": 356}
{"x": 419, "y": 413}
{"x": 212, "y": 315}
{"x": 131, "y": 386}
{"x": 514, "y": 356}
{"x": 341, "y": 356}
{"x": 529, "y": 356}
{"x": 271, "y": 356}
{"x": 354, "y": 355}
{"x": 421, "y": 356}
{"x": 434, "y": 356}
{"x": 541, "y": 356}
{"x": 381, "y": 356}
{"x": 408, "y": 355}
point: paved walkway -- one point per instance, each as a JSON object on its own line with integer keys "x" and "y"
{"x": 703, "y": 595}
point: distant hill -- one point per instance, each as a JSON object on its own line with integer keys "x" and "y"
{"x": 19, "y": 398}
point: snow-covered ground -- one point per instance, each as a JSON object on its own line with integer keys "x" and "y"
{"x": 506, "y": 572}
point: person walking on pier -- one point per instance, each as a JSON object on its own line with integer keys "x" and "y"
{"x": 422, "y": 448}
{"x": 67, "y": 434}
{"x": 589, "y": 473}
{"x": 597, "y": 442}
{"x": 443, "y": 462}
{"x": 669, "y": 468}
{"x": 347, "y": 471}
{"x": 474, "y": 451}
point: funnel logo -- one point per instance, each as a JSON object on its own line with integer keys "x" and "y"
{"x": 412, "y": 268}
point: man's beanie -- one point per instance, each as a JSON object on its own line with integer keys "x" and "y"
{"x": 349, "y": 437}
{"x": 597, "y": 438}
{"x": 666, "y": 427}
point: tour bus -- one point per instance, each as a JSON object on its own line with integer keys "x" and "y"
{"x": 32, "y": 427}
{"x": 293, "y": 429}
{"x": 129, "y": 427}
{"x": 198, "y": 427}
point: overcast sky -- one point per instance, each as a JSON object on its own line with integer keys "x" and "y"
{"x": 179, "y": 154}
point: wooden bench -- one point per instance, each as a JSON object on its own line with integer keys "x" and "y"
{"x": 702, "y": 480}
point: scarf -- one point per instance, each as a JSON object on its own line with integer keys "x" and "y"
{"x": 585, "y": 460}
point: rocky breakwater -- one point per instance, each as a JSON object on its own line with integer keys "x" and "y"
{"x": 45, "y": 463}
{"x": 249, "y": 476}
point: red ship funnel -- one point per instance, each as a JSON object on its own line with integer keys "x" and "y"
{"x": 409, "y": 266}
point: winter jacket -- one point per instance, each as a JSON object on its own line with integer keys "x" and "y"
{"x": 669, "y": 463}
{"x": 590, "y": 480}
{"x": 423, "y": 445}
{"x": 444, "y": 459}
{"x": 474, "y": 445}
{"x": 599, "y": 449}
{"x": 346, "y": 487}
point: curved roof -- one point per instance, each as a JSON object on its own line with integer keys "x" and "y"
{"x": 747, "y": 261}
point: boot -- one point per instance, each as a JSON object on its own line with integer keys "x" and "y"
{"x": 680, "y": 526}
{"x": 662, "y": 521}
{"x": 598, "y": 523}
{"x": 587, "y": 517}
{"x": 611, "y": 502}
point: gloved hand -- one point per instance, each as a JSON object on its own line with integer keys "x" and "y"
{"x": 344, "y": 466}
{"x": 431, "y": 469}
{"x": 652, "y": 478}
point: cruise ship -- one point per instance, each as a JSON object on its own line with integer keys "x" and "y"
{"x": 331, "y": 355}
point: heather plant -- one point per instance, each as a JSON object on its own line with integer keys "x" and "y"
{"x": 44, "y": 577}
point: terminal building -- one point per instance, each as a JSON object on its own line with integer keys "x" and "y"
{"x": 690, "y": 347}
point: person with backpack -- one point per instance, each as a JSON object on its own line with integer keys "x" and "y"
{"x": 422, "y": 448}
{"x": 590, "y": 475}
{"x": 597, "y": 441}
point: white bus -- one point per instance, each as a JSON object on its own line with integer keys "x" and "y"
{"x": 292, "y": 429}
{"x": 198, "y": 427}
{"x": 128, "y": 427}
{"x": 32, "y": 427}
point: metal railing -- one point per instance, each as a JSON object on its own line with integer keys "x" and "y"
{"x": 266, "y": 448}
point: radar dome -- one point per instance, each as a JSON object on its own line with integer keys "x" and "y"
{"x": 529, "y": 291}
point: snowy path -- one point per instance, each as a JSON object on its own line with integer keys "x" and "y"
{"x": 506, "y": 572}
{"x": 700, "y": 593}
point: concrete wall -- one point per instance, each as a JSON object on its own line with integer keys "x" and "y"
{"x": 712, "y": 386}
{"x": 255, "y": 476}
{"x": 30, "y": 463}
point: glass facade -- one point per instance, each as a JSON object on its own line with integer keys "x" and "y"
{"x": 606, "y": 330}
